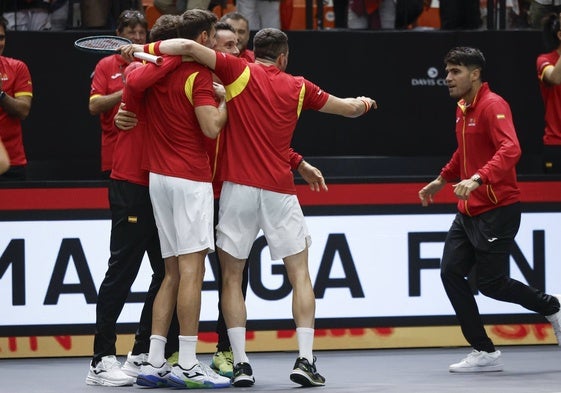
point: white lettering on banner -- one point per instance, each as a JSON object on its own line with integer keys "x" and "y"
{"x": 361, "y": 266}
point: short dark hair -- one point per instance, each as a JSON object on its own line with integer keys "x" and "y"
{"x": 164, "y": 28}
{"x": 131, "y": 18}
{"x": 465, "y": 56}
{"x": 4, "y": 23}
{"x": 224, "y": 26}
{"x": 194, "y": 21}
{"x": 270, "y": 43}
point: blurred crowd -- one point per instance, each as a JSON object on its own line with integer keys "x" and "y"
{"x": 56, "y": 15}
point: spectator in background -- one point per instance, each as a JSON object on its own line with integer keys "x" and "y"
{"x": 177, "y": 7}
{"x": 241, "y": 27}
{"x": 4, "y": 158}
{"x": 24, "y": 15}
{"x": 549, "y": 74}
{"x": 59, "y": 12}
{"x": 16, "y": 93}
{"x": 481, "y": 237}
{"x": 108, "y": 82}
{"x": 260, "y": 13}
{"x": 384, "y": 14}
{"x": 105, "y": 14}
{"x": 540, "y": 9}
{"x": 460, "y": 15}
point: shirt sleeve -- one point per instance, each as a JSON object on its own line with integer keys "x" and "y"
{"x": 295, "y": 158}
{"x": 23, "y": 85}
{"x": 147, "y": 76}
{"x": 314, "y": 98}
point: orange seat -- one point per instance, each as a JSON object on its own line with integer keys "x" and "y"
{"x": 430, "y": 17}
{"x": 220, "y": 11}
{"x": 152, "y": 14}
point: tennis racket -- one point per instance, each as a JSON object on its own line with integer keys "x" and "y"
{"x": 108, "y": 44}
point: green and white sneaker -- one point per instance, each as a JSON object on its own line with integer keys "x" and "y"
{"x": 223, "y": 363}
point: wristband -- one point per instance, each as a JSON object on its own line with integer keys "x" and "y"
{"x": 152, "y": 48}
{"x": 367, "y": 105}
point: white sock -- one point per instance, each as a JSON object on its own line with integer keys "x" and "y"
{"x": 187, "y": 351}
{"x": 237, "y": 341}
{"x": 305, "y": 338}
{"x": 156, "y": 356}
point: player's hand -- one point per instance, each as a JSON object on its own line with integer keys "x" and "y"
{"x": 464, "y": 188}
{"x": 373, "y": 103}
{"x": 125, "y": 120}
{"x": 427, "y": 192}
{"x": 312, "y": 176}
{"x": 219, "y": 91}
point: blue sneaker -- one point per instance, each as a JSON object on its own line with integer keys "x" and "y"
{"x": 154, "y": 377}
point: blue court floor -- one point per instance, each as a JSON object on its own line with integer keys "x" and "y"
{"x": 528, "y": 369}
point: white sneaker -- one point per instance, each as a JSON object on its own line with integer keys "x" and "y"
{"x": 108, "y": 373}
{"x": 198, "y": 376}
{"x": 555, "y": 320}
{"x": 155, "y": 377}
{"x": 133, "y": 363}
{"x": 478, "y": 362}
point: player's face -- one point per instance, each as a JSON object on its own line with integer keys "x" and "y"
{"x": 460, "y": 81}
{"x": 136, "y": 34}
{"x": 227, "y": 41}
{"x": 2, "y": 40}
{"x": 242, "y": 30}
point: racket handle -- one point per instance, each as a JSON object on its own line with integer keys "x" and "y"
{"x": 158, "y": 60}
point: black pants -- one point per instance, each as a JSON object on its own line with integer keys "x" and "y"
{"x": 221, "y": 328}
{"x": 133, "y": 232}
{"x": 484, "y": 242}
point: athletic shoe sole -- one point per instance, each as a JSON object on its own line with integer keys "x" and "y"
{"x": 485, "y": 369}
{"x": 151, "y": 381}
{"x": 302, "y": 378}
{"x": 243, "y": 381}
{"x": 105, "y": 382}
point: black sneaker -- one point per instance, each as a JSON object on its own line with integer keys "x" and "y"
{"x": 243, "y": 375}
{"x": 306, "y": 374}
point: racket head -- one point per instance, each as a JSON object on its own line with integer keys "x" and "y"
{"x": 102, "y": 44}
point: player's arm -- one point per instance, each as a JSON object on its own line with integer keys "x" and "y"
{"x": 175, "y": 46}
{"x": 4, "y": 158}
{"x": 16, "y": 106}
{"x": 212, "y": 119}
{"x": 348, "y": 107}
{"x": 552, "y": 74}
{"x": 102, "y": 103}
{"x": 19, "y": 104}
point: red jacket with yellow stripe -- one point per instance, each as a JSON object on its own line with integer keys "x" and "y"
{"x": 487, "y": 145}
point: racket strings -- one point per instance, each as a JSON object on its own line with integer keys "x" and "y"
{"x": 103, "y": 43}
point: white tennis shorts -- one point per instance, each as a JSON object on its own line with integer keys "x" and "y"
{"x": 245, "y": 210}
{"x": 184, "y": 214}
